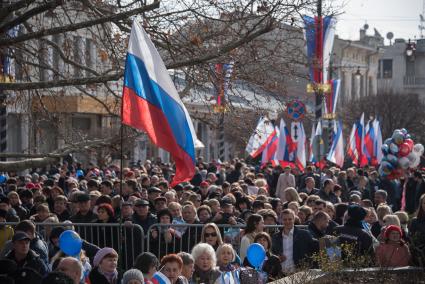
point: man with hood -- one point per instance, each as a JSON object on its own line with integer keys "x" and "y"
{"x": 353, "y": 232}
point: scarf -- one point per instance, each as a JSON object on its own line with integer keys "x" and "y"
{"x": 227, "y": 268}
{"x": 110, "y": 276}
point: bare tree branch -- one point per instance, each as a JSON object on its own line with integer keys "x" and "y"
{"x": 31, "y": 13}
{"x": 77, "y": 26}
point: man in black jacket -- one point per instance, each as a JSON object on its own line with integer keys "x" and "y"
{"x": 353, "y": 233}
{"x": 293, "y": 245}
{"x": 319, "y": 224}
{"x": 24, "y": 256}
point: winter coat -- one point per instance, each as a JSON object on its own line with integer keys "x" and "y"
{"x": 392, "y": 255}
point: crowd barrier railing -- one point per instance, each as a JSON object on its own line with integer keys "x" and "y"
{"x": 126, "y": 239}
{"x": 186, "y": 236}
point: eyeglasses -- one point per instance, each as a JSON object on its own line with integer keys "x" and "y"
{"x": 207, "y": 235}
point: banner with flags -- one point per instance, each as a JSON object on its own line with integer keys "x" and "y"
{"x": 332, "y": 98}
{"x": 336, "y": 153}
{"x": 150, "y": 102}
{"x": 258, "y": 141}
{"x": 271, "y": 147}
{"x": 286, "y": 146}
{"x": 352, "y": 148}
{"x": 311, "y": 157}
{"x": 319, "y": 34}
{"x": 300, "y": 155}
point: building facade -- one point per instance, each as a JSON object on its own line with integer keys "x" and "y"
{"x": 356, "y": 64}
{"x": 402, "y": 68}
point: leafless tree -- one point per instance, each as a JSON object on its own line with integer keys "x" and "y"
{"x": 77, "y": 48}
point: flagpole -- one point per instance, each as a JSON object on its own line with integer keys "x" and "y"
{"x": 121, "y": 200}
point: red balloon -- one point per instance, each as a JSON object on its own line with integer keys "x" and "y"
{"x": 410, "y": 143}
{"x": 403, "y": 150}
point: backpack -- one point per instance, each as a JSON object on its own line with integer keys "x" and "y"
{"x": 248, "y": 275}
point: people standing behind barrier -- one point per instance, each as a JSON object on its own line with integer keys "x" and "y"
{"x": 211, "y": 235}
{"x": 192, "y": 234}
{"x": 16, "y": 204}
{"x": 104, "y": 267}
{"x": 254, "y": 225}
{"x": 84, "y": 214}
{"x": 164, "y": 239}
{"x": 105, "y": 236}
{"x": 205, "y": 264}
{"x": 142, "y": 215}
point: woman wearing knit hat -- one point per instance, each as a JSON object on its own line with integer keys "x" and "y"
{"x": 393, "y": 252}
{"x": 105, "y": 236}
{"x": 133, "y": 276}
{"x": 105, "y": 267}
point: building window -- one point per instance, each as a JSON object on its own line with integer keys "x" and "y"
{"x": 385, "y": 68}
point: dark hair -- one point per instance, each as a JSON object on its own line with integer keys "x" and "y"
{"x": 164, "y": 212}
{"x": 417, "y": 174}
{"x": 92, "y": 183}
{"x": 319, "y": 202}
{"x": 131, "y": 183}
{"x": 203, "y": 207}
{"x": 107, "y": 183}
{"x": 264, "y": 235}
{"x": 145, "y": 261}
{"x": 172, "y": 258}
{"x": 328, "y": 181}
{"x": 104, "y": 199}
{"x": 57, "y": 277}
{"x": 340, "y": 209}
{"x": 25, "y": 226}
{"x": 252, "y": 222}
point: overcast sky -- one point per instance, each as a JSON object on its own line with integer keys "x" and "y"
{"x": 398, "y": 16}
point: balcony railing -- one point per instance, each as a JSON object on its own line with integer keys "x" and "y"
{"x": 414, "y": 82}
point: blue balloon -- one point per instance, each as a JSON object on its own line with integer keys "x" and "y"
{"x": 393, "y": 148}
{"x": 408, "y": 136}
{"x": 3, "y": 179}
{"x": 385, "y": 149}
{"x": 80, "y": 173}
{"x": 70, "y": 243}
{"x": 387, "y": 167}
{"x": 393, "y": 160}
{"x": 398, "y": 137}
{"x": 256, "y": 254}
{"x": 404, "y": 131}
{"x": 388, "y": 141}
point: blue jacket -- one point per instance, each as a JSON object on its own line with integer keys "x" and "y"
{"x": 304, "y": 245}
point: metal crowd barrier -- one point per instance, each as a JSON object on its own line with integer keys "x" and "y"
{"x": 186, "y": 236}
{"x": 131, "y": 237}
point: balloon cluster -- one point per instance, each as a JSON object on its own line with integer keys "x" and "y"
{"x": 400, "y": 153}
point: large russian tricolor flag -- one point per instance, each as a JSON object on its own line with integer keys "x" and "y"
{"x": 151, "y": 103}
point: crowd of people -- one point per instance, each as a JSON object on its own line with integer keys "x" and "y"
{"x": 201, "y": 231}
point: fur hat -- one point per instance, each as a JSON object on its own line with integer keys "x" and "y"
{"x": 132, "y": 274}
{"x": 101, "y": 254}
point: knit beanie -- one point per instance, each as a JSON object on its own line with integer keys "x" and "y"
{"x": 108, "y": 208}
{"x": 101, "y": 254}
{"x": 356, "y": 212}
{"x": 132, "y": 274}
{"x": 391, "y": 228}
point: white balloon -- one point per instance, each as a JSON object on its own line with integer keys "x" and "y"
{"x": 419, "y": 148}
{"x": 412, "y": 157}
{"x": 404, "y": 162}
{"x": 416, "y": 162}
